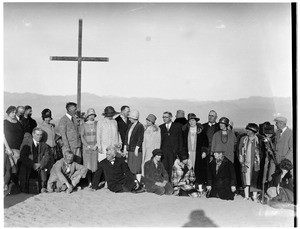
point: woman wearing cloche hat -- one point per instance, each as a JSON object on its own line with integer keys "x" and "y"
{"x": 88, "y": 132}
{"x": 249, "y": 157}
{"x": 151, "y": 139}
{"x": 49, "y": 135}
{"x": 107, "y": 132}
{"x": 224, "y": 140}
{"x": 133, "y": 144}
{"x": 196, "y": 142}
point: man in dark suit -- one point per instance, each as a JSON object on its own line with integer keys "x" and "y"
{"x": 35, "y": 160}
{"x": 211, "y": 127}
{"x": 69, "y": 131}
{"x": 221, "y": 177}
{"x": 171, "y": 141}
{"x": 116, "y": 173}
{"x": 28, "y": 123}
{"x": 123, "y": 123}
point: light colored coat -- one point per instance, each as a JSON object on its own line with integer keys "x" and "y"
{"x": 284, "y": 145}
{"x": 107, "y": 135}
{"x": 151, "y": 141}
{"x": 69, "y": 133}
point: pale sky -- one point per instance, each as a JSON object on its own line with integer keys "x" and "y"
{"x": 175, "y": 51}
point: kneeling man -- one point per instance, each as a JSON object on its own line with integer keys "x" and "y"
{"x": 116, "y": 173}
{"x": 65, "y": 174}
{"x": 221, "y": 177}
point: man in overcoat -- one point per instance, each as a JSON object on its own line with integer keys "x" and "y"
{"x": 171, "y": 141}
{"x": 221, "y": 177}
{"x": 35, "y": 160}
{"x": 115, "y": 171}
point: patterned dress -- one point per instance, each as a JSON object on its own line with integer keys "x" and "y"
{"x": 90, "y": 157}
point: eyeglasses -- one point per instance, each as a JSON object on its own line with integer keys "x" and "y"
{"x": 166, "y": 117}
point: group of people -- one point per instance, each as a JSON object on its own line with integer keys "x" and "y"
{"x": 183, "y": 157}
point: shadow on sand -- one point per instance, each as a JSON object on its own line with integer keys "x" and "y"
{"x": 198, "y": 219}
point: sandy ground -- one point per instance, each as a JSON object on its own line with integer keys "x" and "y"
{"x": 104, "y": 208}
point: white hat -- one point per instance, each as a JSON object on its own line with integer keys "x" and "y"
{"x": 134, "y": 114}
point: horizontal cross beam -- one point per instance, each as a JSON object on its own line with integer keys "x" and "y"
{"x": 74, "y": 58}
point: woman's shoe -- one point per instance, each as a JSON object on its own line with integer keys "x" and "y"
{"x": 246, "y": 198}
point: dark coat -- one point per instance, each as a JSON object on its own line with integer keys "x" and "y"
{"x": 181, "y": 121}
{"x": 221, "y": 183}
{"x": 171, "y": 141}
{"x": 26, "y": 161}
{"x": 29, "y": 124}
{"x": 122, "y": 128}
{"x": 153, "y": 174}
{"x": 210, "y": 134}
{"x": 201, "y": 146}
{"x": 136, "y": 138}
{"x": 116, "y": 175}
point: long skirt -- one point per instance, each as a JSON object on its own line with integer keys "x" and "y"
{"x": 135, "y": 162}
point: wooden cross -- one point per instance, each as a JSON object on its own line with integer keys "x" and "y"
{"x": 79, "y": 59}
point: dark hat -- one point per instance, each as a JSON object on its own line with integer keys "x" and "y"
{"x": 109, "y": 112}
{"x": 253, "y": 127}
{"x": 266, "y": 128}
{"x": 183, "y": 154}
{"x": 46, "y": 113}
{"x": 193, "y": 116}
{"x": 224, "y": 120}
{"x": 157, "y": 152}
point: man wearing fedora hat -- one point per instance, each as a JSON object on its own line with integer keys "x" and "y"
{"x": 107, "y": 132}
{"x": 69, "y": 131}
{"x": 283, "y": 142}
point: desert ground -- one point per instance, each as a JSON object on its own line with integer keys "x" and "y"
{"x": 103, "y": 208}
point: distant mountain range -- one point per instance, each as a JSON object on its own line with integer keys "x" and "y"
{"x": 240, "y": 111}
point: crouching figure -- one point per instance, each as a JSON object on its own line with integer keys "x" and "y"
{"x": 66, "y": 174}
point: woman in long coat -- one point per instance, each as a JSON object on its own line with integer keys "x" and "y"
{"x": 250, "y": 158}
{"x": 133, "y": 144}
{"x": 107, "y": 132}
{"x": 224, "y": 140}
{"x": 196, "y": 142}
{"x": 152, "y": 139}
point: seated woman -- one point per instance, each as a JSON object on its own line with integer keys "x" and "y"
{"x": 156, "y": 177}
{"x": 183, "y": 176}
{"x": 281, "y": 186}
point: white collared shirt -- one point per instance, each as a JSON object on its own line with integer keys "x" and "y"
{"x": 283, "y": 130}
{"x": 168, "y": 125}
{"x": 124, "y": 119}
{"x": 35, "y": 142}
{"x": 69, "y": 116}
{"x": 211, "y": 124}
